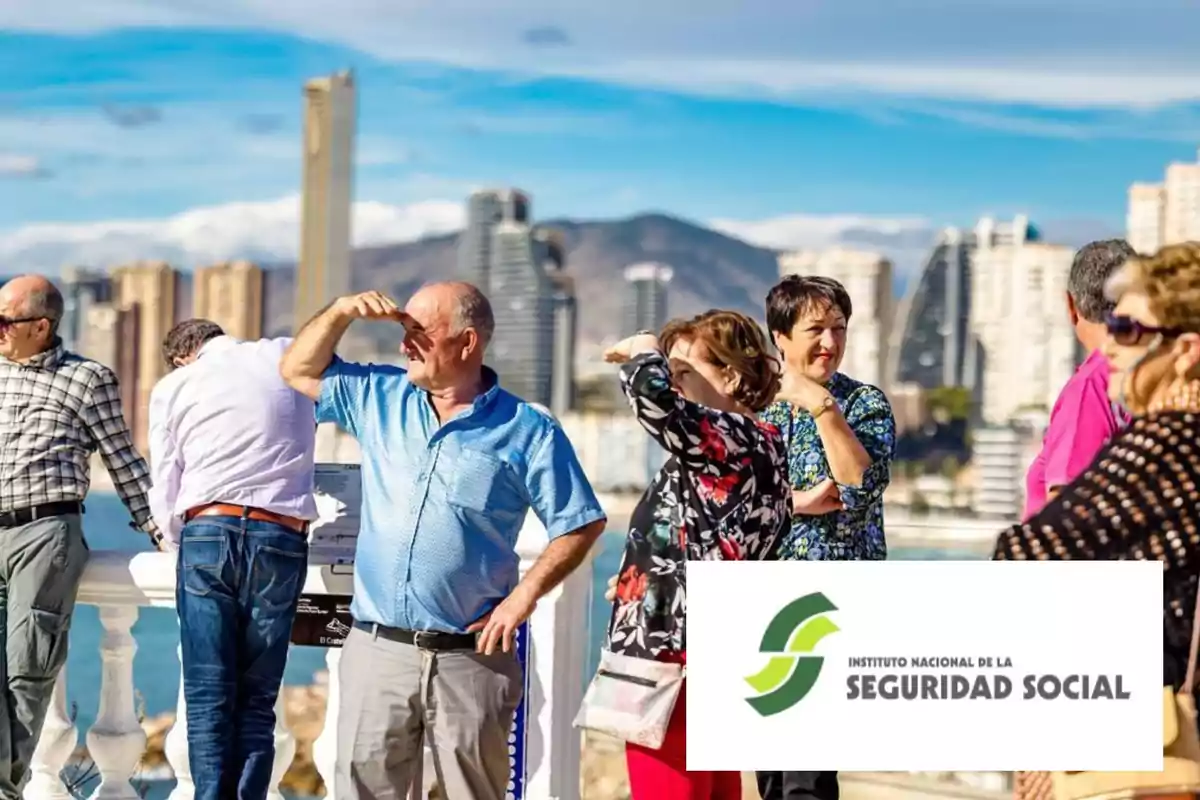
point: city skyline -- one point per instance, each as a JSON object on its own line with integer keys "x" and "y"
{"x": 135, "y": 135}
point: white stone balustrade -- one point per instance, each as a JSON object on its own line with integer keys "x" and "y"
{"x": 119, "y": 583}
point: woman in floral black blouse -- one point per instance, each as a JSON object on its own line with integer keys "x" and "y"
{"x": 722, "y": 495}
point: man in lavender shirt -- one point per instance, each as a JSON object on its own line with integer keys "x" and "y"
{"x": 1083, "y": 418}
{"x": 231, "y": 458}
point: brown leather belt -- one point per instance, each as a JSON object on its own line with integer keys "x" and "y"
{"x": 246, "y": 512}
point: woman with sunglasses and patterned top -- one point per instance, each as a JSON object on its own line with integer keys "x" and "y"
{"x": 1139, "y": 499}
{"x": 722, "y": 495}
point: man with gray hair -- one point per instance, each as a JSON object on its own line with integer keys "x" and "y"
{"x": 1083, "y": 417}
{"x": 56, "y": 410}
{"x": 451, "y": 465}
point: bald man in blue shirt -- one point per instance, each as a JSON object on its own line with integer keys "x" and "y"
{"x": 451, "y": 465}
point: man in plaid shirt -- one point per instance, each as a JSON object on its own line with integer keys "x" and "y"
{"x": 56, "y": 409}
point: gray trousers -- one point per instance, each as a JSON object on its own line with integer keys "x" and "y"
{"x": 41, "y": 565}
{"x": 395, "y": 695}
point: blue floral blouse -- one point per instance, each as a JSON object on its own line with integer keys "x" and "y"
{"x": 856, "y": 532}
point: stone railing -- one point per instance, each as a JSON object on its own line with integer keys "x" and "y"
{"x": 546, "y": 760}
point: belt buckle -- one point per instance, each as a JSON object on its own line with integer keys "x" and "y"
{"x": 419, "y": 636}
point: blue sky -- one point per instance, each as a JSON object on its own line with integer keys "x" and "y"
{"x": 717, "y": 109}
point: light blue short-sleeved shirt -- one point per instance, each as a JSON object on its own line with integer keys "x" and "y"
{"x": 443, "y": 504}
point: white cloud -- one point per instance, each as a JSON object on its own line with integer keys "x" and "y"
{"x": 905, "y": 241}
{"x": 1072, "y": 53}
{"x": 265, "y": 231}
{"x": 13, "y": 165}
{"x": 816, "y": 231}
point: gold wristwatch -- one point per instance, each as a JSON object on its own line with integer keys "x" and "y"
{"x": 826, "y": 404}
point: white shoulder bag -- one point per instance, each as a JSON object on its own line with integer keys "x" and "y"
{"x": 631, "y": 699}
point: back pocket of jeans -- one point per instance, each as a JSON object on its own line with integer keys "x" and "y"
{"x": 277, "y": 576}
{"x": 202, "y": 558}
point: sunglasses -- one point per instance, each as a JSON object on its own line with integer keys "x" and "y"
{"x": 1128, "y": 331}
{"x": 8, "y": 322}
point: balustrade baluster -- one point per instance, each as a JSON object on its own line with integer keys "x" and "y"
{"x": 54, "y": 748}
{"x": 176, "y": 746}
{"x": 324, "y": 749}
{"x": 116, "y": 741}
{"x": 285, "y": 749}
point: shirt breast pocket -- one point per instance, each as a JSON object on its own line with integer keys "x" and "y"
{"x": 483, "y": 484}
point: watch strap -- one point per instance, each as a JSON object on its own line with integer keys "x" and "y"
{"x": 826, "y": 404}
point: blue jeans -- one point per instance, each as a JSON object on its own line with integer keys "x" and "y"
{"x": 238, "y": 584}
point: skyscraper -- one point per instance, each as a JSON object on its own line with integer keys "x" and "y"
{"x": 486, "y": 209}
{"x": 933, "y": 345}
{"x": 522, "y": 297}
{"x": 323, "y": 272}
{"x": 551, "y": 252}
{"x": 147, "y": 289}
{"x": 231, "y": 295}
{"x": 81, "y": 289}
{"x": 646, "y": 304}
{"x": 867, "y": 277}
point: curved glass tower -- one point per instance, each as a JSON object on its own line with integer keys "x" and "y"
{"x": 935, "y": 347}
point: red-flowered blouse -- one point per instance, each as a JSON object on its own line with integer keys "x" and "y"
{"x": 723, "y": 495}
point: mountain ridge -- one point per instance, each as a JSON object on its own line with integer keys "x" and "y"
{"x": 711, "y": 269}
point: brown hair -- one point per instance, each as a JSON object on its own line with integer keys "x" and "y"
{"x": 735, "y": 343}
{"x": 1171, "y": 280}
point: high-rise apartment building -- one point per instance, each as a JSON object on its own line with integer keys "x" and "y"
{"x": 148, "y": 290}
{"x": 646, "y": 297}
{"x": 81, "y": 290}
{"x": 486, "y": 209}
{"x": 1144, "y": 222}
{"x": 323, "y": 272}
{"x": 1165, "y": 213}
{"x": 231, "y": 295}
{"x": 522, "y": 298}
{"x": 867, "y": 277}
{"x": 566, "y": 332}
{"x": 550, "y": 251}
{"x": 1019, "y": 316}
{"x": 110, "y": 335}
{"x": 1000, "y": 456}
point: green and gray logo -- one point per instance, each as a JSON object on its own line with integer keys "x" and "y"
{"x": 790, "y": 639}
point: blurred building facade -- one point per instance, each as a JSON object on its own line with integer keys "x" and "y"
{"x": 614, "y": 450}
{"x": 522, "y": 297}
{"x": 231, "y": 295}
{"x": 1001, "y": 456}
{"x": 323, "y": 271}
{"x": 867, "y": 277}
{"x": 1019, "y": 317}
{"x": 646, "y": 302}
{"x": 82, "y": 289}
{"x": 486, "y": 209}
{"x": 550, "y": 250}
{"x": 146, "y": 290}
{"x": 522, "y": 270}
{"x": 932, "y": 344}
{"x": 1165, "y": 213}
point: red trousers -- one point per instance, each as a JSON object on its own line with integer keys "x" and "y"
{"x": 662, "y": 774}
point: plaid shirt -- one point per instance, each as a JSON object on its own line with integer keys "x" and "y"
{"x": 55, "y": 411}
